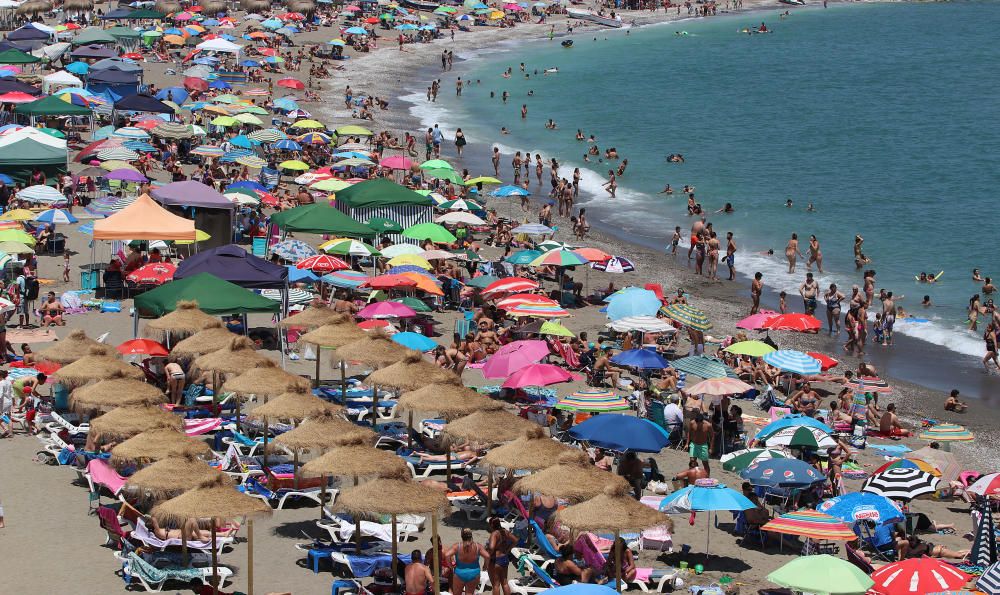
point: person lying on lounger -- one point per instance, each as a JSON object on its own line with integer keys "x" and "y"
{"x": 914, "y": 547}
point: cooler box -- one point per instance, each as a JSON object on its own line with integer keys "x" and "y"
{"x": 88, "y": 280}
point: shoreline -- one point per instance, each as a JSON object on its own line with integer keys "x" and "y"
{"x": 912, "y": 365}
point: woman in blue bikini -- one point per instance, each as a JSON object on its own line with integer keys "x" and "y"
{"x": 467, "y": 553}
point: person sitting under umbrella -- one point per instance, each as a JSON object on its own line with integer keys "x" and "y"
{"x": 603, "y": 364}
{"x": 693, "y": 473}
{"x": 567, "y": 571}
{"x": 805, "y": 401}
{"x": 914, "y": 547}
{"x": 758, "y": 515}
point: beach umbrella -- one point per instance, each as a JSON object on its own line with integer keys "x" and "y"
{"x": 156, "y": 273}
{"x": 945, "y": 462}
{"x": 801, "y": 437}
{"x": 75, "y": 346}
{"x": 756, "y": 321}
{"x": 96, "y": 365}
{"x": 346, "y": 279}
{"x": 811, "y": 525}
{"x": 909, "y": 464}
{"x": 535, "y": 299}
{"x": 319, "y": 430}
{"x": 457, "y": 217}
{"x": 295, "y": 404}
{"x": 621, "y": 433}
{"x": 54, "y": 216}
{"x": 741, "y": 459}
{"x": 170, "y": 477}
{"x": 415, "y": 260}
{"x": 488, "y": 427}
{"x": 386, "y": 310}
{"x": 643, "y": 359}
{"x": 868, "y": 384}
{"x": 213, "y": 500}
{"x": 509, "y": 285}
{"x": 646, "y": 324}
{"x": 186, "y": 319}
{"x": 414, "y": 341}
{"x": 399, "y": 249}
{"x": 429, "y": 232}
{"x": 537, "y": 375}
{"x": 984, "y": 543}
{"x": 540, "y": 310}
{"x": 559, "y": 257}
{"x": 706, "y": 495}
{"x": 412, "y": 372}
{"x": 825, "y": 361}
{"x": 510, "y": 191}
{"x": 43, "y": 194}
{"x": 702, "y": 366}
{"x": 124, "y": 422}
{"x": 822, "y": 574}
{"x": 802, "y": 323}
{"x": 614, "y": 511}
{"x": 555, "y": 329}
{"x": 461, "y": 204}
{"x": 142, "y": 346}
{"x": 862, "y": 506}
{"x": 635, "y": 302}
{"x": 116, "y": 390}
{"x": 718, "y": 387}
{"x": 593, "y": 400}
{"x": 533, "y": 451}
{"x": 450, "y": 401}
{"x": 901, "y": 484}
{"x": 267, "y": 135}
{"x": 793, "y": 420}
{"x": 293, "y": 250}
{"x": 207, "y": 340}
{"x": 947, "y": 433}
{"x": 238, "y": 356}
{"x": 917, "y": 575}
{"x": 335, "y": 332}
{"x": 18, "y": 215}
{"x": 689, "y": 316}
{"x": 513, "y": 356}
{"x": 392, "y": 281}
{"x": 751, "y": 348}
{"x": 782, "y": 473}
{"x": 322, "y": 263}
{"x": 264, "y": 381}
{"x": 615, "y": 264}
{"x": 523, "y": 256}
{"x": 989, "y": 582}
{"x": 156, "y": 444}
{"x": 376, "y": 349}
{"x": 988, "y": 485}
{"x": 290, "y": 83}
{"x": 574, "y": 478}
{"x": 792, "y": 361}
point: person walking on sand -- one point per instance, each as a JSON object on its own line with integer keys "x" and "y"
{"x": 792, "y": 253}
{"x": 888, "y": 315}
{"x": 696, "y": 228}
{"x": 731, "y": 255}
{"x": 460, "y": 141}
{"x": 699, "y": 437}
{"x": 815, "y": 255}
{"x": 467, "y": 554}
{"x": 756, "y": 287}
{"x": 496, "y": 161}
{"x": 612, "y": 184}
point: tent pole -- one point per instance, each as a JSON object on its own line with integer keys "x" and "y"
{"x": 322, "y": 495}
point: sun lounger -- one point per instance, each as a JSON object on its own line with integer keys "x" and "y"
{"x": 153, "y": 579}
{"x": 424, "y": 469}
{"x": 108, "y": 519}
{"x": 101, "y": 475}
{"x": 143, "y": 534}
{"x": 542, "y": 544}
{"x": 203, "y": 425}
{"x": 60, "y": 423}
{"x": 365, "y": 565}
{"x": 256, "y": 489}
{"x": 646, "y": 579}
{"x": 531, "y": 578}
{"x": 244, "y": 444}
{"x": 341, "y": 529}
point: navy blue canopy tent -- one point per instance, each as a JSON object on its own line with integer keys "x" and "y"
{"x": 235, "y": 265}
{"x": 142, "y": 102}
{"x": 27, "y": 33}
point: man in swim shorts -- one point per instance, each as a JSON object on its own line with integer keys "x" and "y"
{"x": 699, "y": 437}
{"x": 809, "y": 290}
{"x": 417, "y": 576}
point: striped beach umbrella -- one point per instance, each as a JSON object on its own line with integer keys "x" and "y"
{"x": 538, "y": 310}
{"x": 646, "y": 324}
{"x": 140, "y": 146}
{"x": 909, "y": 464}
{"x": 56, "y": 216}
{"x": 868, "y": 384}
{"x": 793, "y": 361}
{"x": 233, "y": 155}
{"x": 801, "y": 437}
{"x": 689, "y": 316}
{"x": 517, "y": 299}
{"x": 917, "y": 575}
{"x": 615, "y": 264}
{"x": 348, "y": 247}
{"x": 461, "y": 204}
{"x": 559, "y": 257}
{"x": 987, "y": 485}
{"x": 267, "y": 135}
{"x": 41, "y": 193}
{"x": 811, "y": 524}
{"x": 593, "y": 400}
{"x": 117, "y": 153}
{"x": 901, "y": 484}
{"x": 720, "y": 386}
{"x": 509, "y": 285}
{"x": 314, "y": 138}
{"x": 295, "y": 296}
{"x": 947, "y": 433}
{"x": 702, "y": 366}
{"x": 984, "y": 543}
{"x": 347, "y": 279}
{"x": 208, "y": 151}
{"x": 989, "y": 582}
{"x": 554, "y": 245}
{"x": 252, "y": 161}
{"x": 131, "y": 132}
{"x": 741, "y": 459}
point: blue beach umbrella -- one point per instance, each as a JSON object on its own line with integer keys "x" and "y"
{"x": 793, "y": 361}
{"x": 250, "y": 63}
{"x": 78, "y": 67}
{"x": 640, "y": 302}
{"x": 297, "y": 275}
{"x": 699, "y": 498}
{"x": 782, "y": 473}
{"x": 219, "y": 84}
{"x": 621, "y": 433}
{"x": 243, "y": 141}
{"x": 103, "y": 132}
{"x": 287, "y": 145}
{"x": 286, "y": 103}
{"x": 293, "y": 250}
{"x": 6, "y": 179}
{"x": 640, "y": 358}
{"x": 510, "y": 191}
{"x": 272, "y": 24}
{"x": 414, "y": 341}
{"x": 791, "y": 421}
{"x": 862, "y": 506}
{"x": 356, "y": 31}
{"x": 523, "y": 256}
{"x": 248, "y": 184}
{"x": 56, "y": 216}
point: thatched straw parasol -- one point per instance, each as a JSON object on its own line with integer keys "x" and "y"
{"x": 116, "y": 390}
{"x": 357, "y": 461}
{"x": 186, "y": 319}
{"x": 76, "y": 345}
{"x": 255, "y": 5}
{"x": 214, "y": 500}
{"x": 34, "y": 7}
{"x": 267, "y": 380}
{"x": 212, "y": 338}
{"x": 126, "y": 422}
{"x": 323, "y": 431}
{"x": 533, "y": 452}
{"x": 448, "y": 400}
{"x": 171, "y": 477}
{"x": 412, "y": 372}
{"x": 574, "y": 479}
{"x": 488, "y": 427}
{"x": 335, "y": 332}
{"x": 395, "y": 497}
{"x": 311, "y": 318}
{"x": 303, "y": 6}
{"x": 167, "y": 6}
{"x": 376, "y": 349}
{"x": 615, "y": 511}
{"x": 236, "y": 357}
{"x": 212, "y": 7}
{"x": 296, "y": 404}
{"x": 78, "y": 4}
{"x": 153, "y": 445}
{"x": 97, "y": 365}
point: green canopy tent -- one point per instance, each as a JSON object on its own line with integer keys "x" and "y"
{"x": 214, "y": 296}
{"x": 145, "y": 13}
{"x": 383, "y": 199}
{"x": 24, "y": 150}
{"x": 124, "y": 36}
{"x": 13, "y": 56}
{"x": 52, "y": 106}
{"x": 320, "y": 218}
{"x": 94, "y": 35}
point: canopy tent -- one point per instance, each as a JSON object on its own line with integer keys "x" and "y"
{"x": 60, "y": 79}
{"x": 92, "y": 35}
{"x": 140, "y": 102}
{"x": 235, "y": 265}
{"x": 28, "y": 32}
{"x": 214, "y": 296}
{"x": 320, "y": 218}
{"x": 219, "y": 45}
{"x": 144, "y": 220}
{"x": 211, "y": 211}
{"x": 23, "y": 150}
{"x": 15, "y": 56}
{"x": 51, "y": 106}
{"x": 115, "y": 64}
{"x": 382, "y": 198}
{"x": 93, "y": 51}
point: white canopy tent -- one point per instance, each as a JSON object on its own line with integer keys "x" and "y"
{"x": 59, "y": 79}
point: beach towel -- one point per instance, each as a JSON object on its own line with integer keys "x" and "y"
{"x": 892, "y": 449}
{"x": 586, "y": 547}
{"x": 197, "y": 427}
{"x": 103, "y": 474}
{"x": 143, "y": 534}
{"x": 365, "y": 565}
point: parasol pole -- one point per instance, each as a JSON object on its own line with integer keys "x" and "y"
{"x": 395, "y": 576}
{"x": 295, "y": 469}
{"x": 184, "y": 547}
{"x": 489, "y": 493}
{"x": 357, "y": 525}
{"x": 708, "y": 535}
{"x": 618, "y": 561}
{"x": 322, "y": 495}
{"x": 409, "y": 429}
{"x": 265, "y": 441}
{"x": 316, "y": 377}
{"x": 436, "y": 548}
{"x": 343, "y": 379}
{"x": 250, "y": 555}
{"x": 215, "y": 562}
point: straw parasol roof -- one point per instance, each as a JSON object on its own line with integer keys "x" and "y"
{"x": 611, "y": 511}
{"x": 574, "y": 478}
{"x": 267, "y": 380}
{"x": 324, "y": 430}
{"x": 78, "y": 4}
{"x": 376, "y": 349}
{"x": 96, "y": 365}
{"x": 34, "y": 7}
{"x": 412, "y": 372}
{"x": 212, "y": 7}
{"x": 76, "y": 345}
{"x": 126, "y": 422}
{"x": 153, "y": 445}
{"x": 212, "y": 338}
{"x": 214, "y": 499}
{"x": 186, "y": 319}
{"x": 333, "y": 335}
{"x": 295, "y": 404}
{"x": 357, "y": 461}
{"x": 303, "y": 6}
{"x": 235, "y": 358}
{"x": 532, "y": 452}
{"x": 116, "y": 390}
{"x": 488, "y": 427}
{"x": 169, "y": 477}
{"x": 167, "y": 6}
{"x": 255, "y": 5}
{"x": 391, "y": 496}
{"x": 311, "y": 318}
{"x": 448, "y": 400}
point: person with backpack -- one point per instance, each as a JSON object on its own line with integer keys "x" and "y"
{"x": 30, "y": 289}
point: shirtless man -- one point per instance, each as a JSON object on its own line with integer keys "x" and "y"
{"x": 604, "y": 363}
{"x": 756, "y": 287}
{"x": 888, "y": 316}
{"x": 889, "y": 424}
{"x": 692, "y": 474}
{"x": 417, "y": 575}
{"x": 809, "y": 290}
{"x": 696, "y": 229}
{"x": 699, "y": 437}
{"x": 496, "y": 161}
{"x": 731, "y": 255}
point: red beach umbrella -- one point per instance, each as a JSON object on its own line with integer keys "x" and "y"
{"x": 509, "y": 285}
{"x": 157, "y": 273}
{"x": 517, "y": 299}
{"x": 322, "y": 263}
{"x": 142, "y": 346}
{"x": 290, "y": 83}
{"x": 390, "y": 282}
{"x": 825, "y": 361}
{"x": 195, "y": 84}
{"x": 917, "y": 575}
{"x": 802, "y": 323}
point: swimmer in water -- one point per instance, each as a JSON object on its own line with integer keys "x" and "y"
{"x": 503, "y": 130}
{"x": 978, "y": 278}
{"x": 810, "y": 208}
{"x": 728, "y": 208}
{"x": 667, "y": 190}
{"x": 926, "y": 302}
{"x": 788, "y": 203}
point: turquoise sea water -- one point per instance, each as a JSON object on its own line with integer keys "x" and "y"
{"x": 884, "y": 116}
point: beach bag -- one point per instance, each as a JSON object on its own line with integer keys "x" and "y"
{"x": 309, "y": 355}
{"x": 111, "y": 307}
{"x": 31, "y": 288}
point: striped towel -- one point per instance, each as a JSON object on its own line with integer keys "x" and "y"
{"x": 197, "y": 427}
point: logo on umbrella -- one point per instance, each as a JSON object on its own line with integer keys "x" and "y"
{"x": 789, "y": 474}
{"x": 767, "y": 473}
{"x": 866, "y": 513}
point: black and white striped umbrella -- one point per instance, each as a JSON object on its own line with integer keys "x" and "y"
{"x": 901, "y": 483}
{"x": 989, "y": 582}
{"x": 984, "y": 545}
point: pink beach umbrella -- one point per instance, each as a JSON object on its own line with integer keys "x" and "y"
{"x": 538, "y": 375}
{"x": 513, "y": 356}
{"x": 755, "y": 322}
{"x": 396, "y": 162}
{"x": 387, "y": 310}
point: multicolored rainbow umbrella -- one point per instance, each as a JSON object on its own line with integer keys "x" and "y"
{"x": 539, "y": 310}
{"x": 559, "y": 257}
{"x": 594, "y": 400}
{"x": 811, "y": 524}
{"x": 909, "y": 464}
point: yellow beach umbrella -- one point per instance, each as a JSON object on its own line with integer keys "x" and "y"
{"x": 354, "y": 130}
{"x": 18, "y": 215}
{"x": 294, "y": 164}
{"x": 410, "y": 259}
{"x": 483, "y": 180}
{"x": 173, "y": 105}
{"x": 225, "y": 121}
{"x": 199, "y": 236}
{"x": 248, "y": 119}
{"x": 308, "y": 124}
{"x": 216, "y": 109}
{"x": 173, "y": 39}
{"x": 117, "y": 164}
{"x": 253, "y": 109}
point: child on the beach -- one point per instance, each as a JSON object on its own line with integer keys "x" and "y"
{"x": 782, "y": 307}
{"x": 674, "y": 241}
{"x": 66, "y": 266}
{"x": 878, "y": 327}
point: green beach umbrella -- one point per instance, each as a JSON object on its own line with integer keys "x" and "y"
{"x": 741, "y": 459}
{"x": 429, "y": 231}
{"x": 461, "y": 204}
{"x": 331, "y": 185}
{"x": 436, "y": 164}
{"x": 554, "y": 245}
{"x": 822, "y": 575}
{"x": 751, "y": 348}
{"x": 687, "y": 315}
{"x": 556, "y": 329}
{"x": 483, "y": 180}
{"x": 53, "y": 132}
{"x": 349, "y": 247}
{"x": 353, "y": 130}
{"x": 444, "y": 174}
{"x": 384, "y": 225}
{"x": 248, "y": 119}
{"x": 225, "y": 121}
{"x": 253, "y": 109}
{"x": 702, "y": 366}
{"x": 294, "y": 165}
{"x": 469, "y": 255}
{"x": 482, "y": 281}
{"x": 355, "y": 161}
{"x": 414, "y": 303}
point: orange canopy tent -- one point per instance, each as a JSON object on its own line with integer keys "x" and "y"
{"x": 144, "y": 220}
